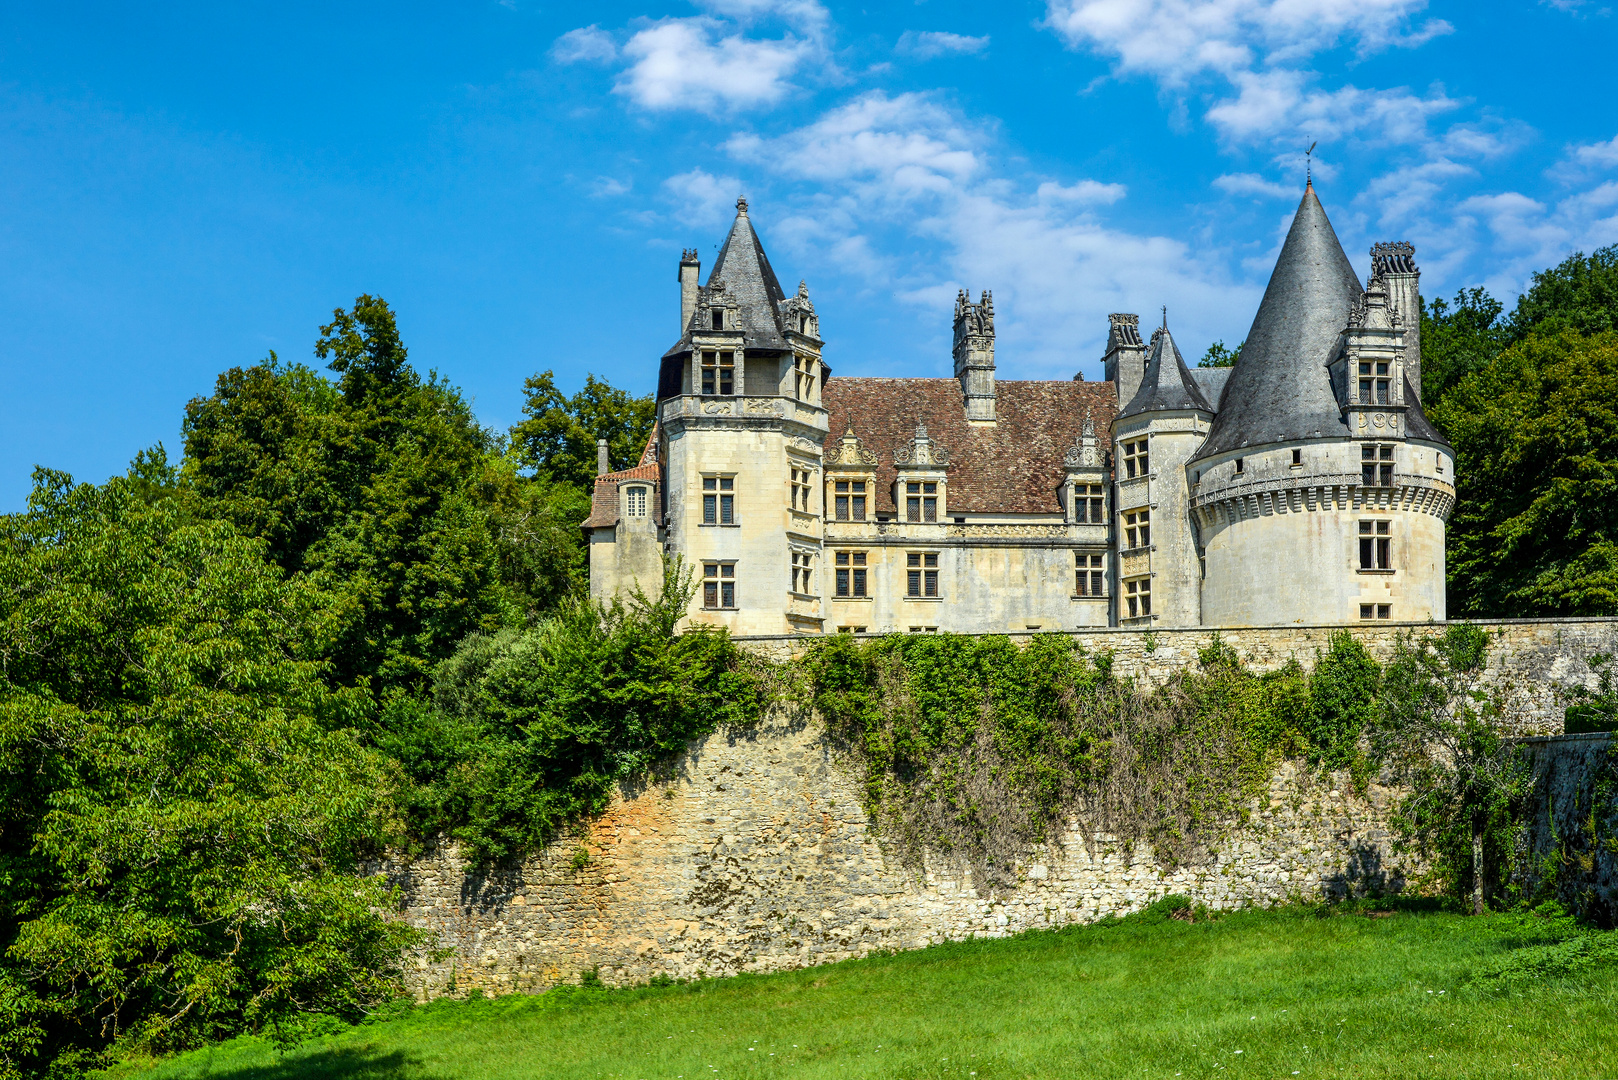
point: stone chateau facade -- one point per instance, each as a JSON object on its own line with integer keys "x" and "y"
{"x": 1302, "y": 485}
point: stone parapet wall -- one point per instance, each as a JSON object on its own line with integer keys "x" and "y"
{"x": 755, "y": 854}
{"x": 753, "y": 851}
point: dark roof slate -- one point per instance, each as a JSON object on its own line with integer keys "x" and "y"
{"x": 1167, "y": 386}
{"x": 1013, "y": 466}
{"x": 748, "y": 276}
{"x": 1280, "y": 388}
{"x": 1211, "y": 381}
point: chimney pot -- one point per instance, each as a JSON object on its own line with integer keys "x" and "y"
{"x": 603, "y": 465}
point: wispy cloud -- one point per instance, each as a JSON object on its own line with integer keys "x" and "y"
{"x": 699, "y": 198}
{"x": 587, "y": 44}
{"x": 928, "y": 44}
{"x": 1254, "y": 185}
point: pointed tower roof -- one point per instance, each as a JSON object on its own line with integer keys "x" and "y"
{"x": 746, "y": 272}
{"x": 1280, "y": 388}
{"x": 1167, "y": 386}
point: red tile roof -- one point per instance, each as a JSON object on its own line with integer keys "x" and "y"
{"x": 1011, "y": 467}
{"x": 604, "y": 500}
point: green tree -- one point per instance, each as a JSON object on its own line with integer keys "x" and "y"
{"x": 1579, "y": 294}
{"x": 182, "y": 811}
{"x": 384, "y": 489}
{"x": 1457, "y": 340}
{"x": 1443, "y": 736}
{"x": 1535, "y": 528}
{"x": 558, "y": 438}
{"x": 1342, "y": 700}
{"x": 1219, "y": 356}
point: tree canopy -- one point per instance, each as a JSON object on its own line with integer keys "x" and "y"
{"x": 558, "y": 438}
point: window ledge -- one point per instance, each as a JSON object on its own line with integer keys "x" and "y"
{"x": 1076, "y": 596}
{"x": 803, "y": 595}
{"x": 721, "y": 609}
{"x": 922, "y": 599}
{"x": 1376, "y": 573}
{"x": 719, "y": 525}
{"x": 852, "y": 599}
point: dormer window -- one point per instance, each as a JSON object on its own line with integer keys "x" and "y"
{"x": 718, "y": 319}
{"x": 921, "y": 502}
{"x": 1374, "y": 380}
{"x": 718, "y": 373}
{"x": 635, "y": 502}
{"x": 803, "y": 378}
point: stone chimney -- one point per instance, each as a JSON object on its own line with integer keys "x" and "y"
{"x": 974, "y": 355}
{"x": 1124, "y": 364}
{"x": 690, "y": 270}
{"x": 1395, "y": 264}
{"x": 603, "y": 464}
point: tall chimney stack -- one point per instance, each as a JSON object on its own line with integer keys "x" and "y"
{"x": 1395, "y": 264}
{"x": 603, "y": 465}
{"x": 974, "y": 355}
{"x": 690, "y": 271}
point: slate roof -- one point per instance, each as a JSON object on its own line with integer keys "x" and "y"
{"x": 1167, "y": 386}
{"x": 1211, "y": 381}
{"x": 604, "y": 499}
{"x": 1013, "y": 466}
{"x": 1280, "y": 388}
{"x": 749, "y": 278}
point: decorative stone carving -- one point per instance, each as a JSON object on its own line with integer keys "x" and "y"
{"x": 920, "y": 450}
{"x": 765, "y": 405}
{"x": 798, "y": 314}
{"x": 1085, "y": 453}
{"x": 849, "y": 451}
{"x": 717, "y": 408}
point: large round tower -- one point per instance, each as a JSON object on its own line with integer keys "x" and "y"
{"x": 1321, "y": 492}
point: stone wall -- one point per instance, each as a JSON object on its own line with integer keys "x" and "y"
{"x": 753, "y": 851}
{"x": 1566, "y": 848}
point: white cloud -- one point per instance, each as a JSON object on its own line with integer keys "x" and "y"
{"x": 686, "y": 64}
{"x": 1254, "y": 185}
{"x": 927, "y": 44}
{"x": 1275, "y": 105}
{"x": 608, "y": 186}
{"x": 1585, "y": 159}
{"x": 1174, "y": 40}
{"x": 587, "y": 44}
{"x": 906, "y": 195}
{"x": 700, "y": 198}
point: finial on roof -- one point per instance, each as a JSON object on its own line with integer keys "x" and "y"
{"x": 1309, "y": 166}
{"x": 921, "y": 430}
{"x": 1165, "y": 316}
{"x": 741, "y": 206}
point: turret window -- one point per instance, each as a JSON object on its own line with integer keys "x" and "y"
{"x": 850, "y": 500}
{"x": 1136, "y": 462}
{"x": 1138, "y": 597}
{"x": 719, "y": 585}
{"x": 718, "y": 500}
{"x": 921, "y": 502}
{"x": 803, "y": 378}
{"x": 798, "y": 496}
{"x": 801, "y": 566}
{"x": 1376, "y": 545}
{"x": 1377, "y": 385}
{"x": 1376, "y": 466}
{"x": 635, "y": 502}
{"x": 718, "y": 373}
{"x": 1138, "y": 529}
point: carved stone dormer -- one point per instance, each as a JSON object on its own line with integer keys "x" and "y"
{"x": 1369, "y": 372}
{"x": 717, "y": 361}
{"x": 919, "y": 486}
{"x": 849, "y": 452}
{"x": 1394, "y": 264}
{"x": 798, "y": 317}
{"x": 1085, "y": 483}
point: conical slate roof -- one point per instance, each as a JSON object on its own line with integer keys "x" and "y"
{"x": 1167, "y": 385}
{"x": 749, "y": 279}
{"x": 1280, "y": 388}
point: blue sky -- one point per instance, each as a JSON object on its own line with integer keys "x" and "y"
{"x": 187, "y": 189}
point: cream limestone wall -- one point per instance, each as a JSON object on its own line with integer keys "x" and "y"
{"x": 1281, "y": 541}
{"x": 1172, "y": 559}
{"x": 627, "y": 557}
{"x": 751, "y": 851}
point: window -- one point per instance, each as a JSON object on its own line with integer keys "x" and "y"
{"x": 635, "y": 502}
{"x": 1238, "y": 466}
{"x": 851, "y": 629}
{"x": 800, "y": 571}
{"x": 718, "y": 372}
{"x": 1135, "y": 459}
{"x": 1438, "y": 457}
{"x": 799, "y": 495}
{"x": 850, "y": 495}
{"x": 851, "y": 573}
{"x": 718, "y": 319}
{"x": 1090, "y": 504}
{"x": 921, "y": 572}
{"x": 719, "y": 585}
{"x": 1376, "y": 466}
{"x": 1089, "y": 574}
{"x": 1138, "y": 595}
{"x": 1138, "y": 529}
{"x": 803, "y": 378}
{"x": 1297, "y": 455}
{"x": 718, "y": 500}
{"x": 924, "y": 629}
{"x": 921, "y": 502}
{"x": 1376, "y": 545}
{"x": 1376, "y": 611}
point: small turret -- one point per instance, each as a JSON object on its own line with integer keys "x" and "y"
{"x": 974, "y": 355}
{"x": 690, "y": 275}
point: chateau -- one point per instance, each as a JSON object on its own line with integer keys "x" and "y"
{"x": 1302, "y": 485}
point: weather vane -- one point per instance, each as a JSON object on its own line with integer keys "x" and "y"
{"x": 1308, "y": 163}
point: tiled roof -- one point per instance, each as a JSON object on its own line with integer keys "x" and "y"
{"x": 604, "y": 499}
{"x": 1013, "y": 466}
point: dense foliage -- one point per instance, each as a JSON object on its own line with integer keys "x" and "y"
{"x": 184, "y": 812}
{"x": 526, "y": 730}
{"x": 1219, "y": 356}
{"x": 558, "y": 438}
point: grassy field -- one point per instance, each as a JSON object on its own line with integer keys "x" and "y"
{"x": 1283, "y": 993}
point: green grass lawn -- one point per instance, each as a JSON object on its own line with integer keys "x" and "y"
{"x": 1260, "y": 994}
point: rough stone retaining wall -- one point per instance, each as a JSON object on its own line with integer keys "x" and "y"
{"x": 1566, "y": 848}
{"x": 754, "y": 853}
